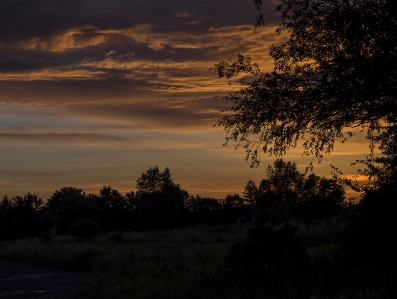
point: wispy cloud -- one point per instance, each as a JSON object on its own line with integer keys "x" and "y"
{"x": 52, "y": 74}
{"x": 68, "y": 40}
{"x": 182, "y": 14}
{"x": 84, "y": 139}
{"x": 26, "y": 173}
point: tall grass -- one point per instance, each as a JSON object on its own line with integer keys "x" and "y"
{"x": 141, "y": 264}
{"x": 188, "y": 263}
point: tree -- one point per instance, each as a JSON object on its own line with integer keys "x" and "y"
{"x": 282, "y": 184}
{"x": 119, "y": 208}
{"x": 250, "y": 191}
{"x": 286, "y": 193}
{"x": 284, "y": 180}
{"x": 65, "y": 198}
{"x": 21, "y": 217}
{"x": 321, "y": 200}
{"x": 159, "y": 201}
{"x": 153, "y": 180}
{"x": 72, "y": 204}
{"x": 201, "y": 211}
{"x": 335, "y": 76}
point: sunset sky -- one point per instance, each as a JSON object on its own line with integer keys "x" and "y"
{"x": 94, "y": 92}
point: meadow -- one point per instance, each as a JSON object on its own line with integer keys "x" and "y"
{"x": 190, "y": 263}
{"x": 153, "y": 264}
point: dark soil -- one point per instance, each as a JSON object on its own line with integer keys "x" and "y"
{"x": 19, "y": 280}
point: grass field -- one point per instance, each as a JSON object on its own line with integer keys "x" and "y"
{"x": 155, "y": 264}
{"x": 189, "y": 263}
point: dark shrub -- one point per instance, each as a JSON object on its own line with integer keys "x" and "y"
{"x": 84, "y": 229}
{"x": 266, "y": 250}
{"x": 368, "y": 235}
{"x": 115, "y": 238}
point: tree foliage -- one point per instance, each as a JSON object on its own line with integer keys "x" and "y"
{"x": 335, "y": 76}
{"x": 286, "y": 193}
{"x": 159, "y": 201}
{"x": 21, "y": 216}
{"x": 153, "y": 181}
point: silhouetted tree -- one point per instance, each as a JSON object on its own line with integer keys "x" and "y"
{"x": 120, "y": 209}
{"x": 72, "y": 204}
{"x": 321, "y": 200}
{"x": 283, "y": 180}
{"x": 278, "y": 193}
{"x": 159, "y": 201}
{"x": 286, "y": 193}
{"x": 250, "y": 192}
{"x": 336, "y": 75}
{"x": 154, "y": 181}
{"x": 22, "y": 217}
{"x": 200, "y": 210}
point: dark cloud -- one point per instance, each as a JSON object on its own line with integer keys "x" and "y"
{"x": 180, "y": 115}
{"x": 25, "y": 19}
{"x": 64, "y": 138}
{"x": 21, "y": 65}
{"x": 22, "y": 19}
{"x": 28, "y": 173}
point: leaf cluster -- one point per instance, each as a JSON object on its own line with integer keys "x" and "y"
{"x": 333, "y": 77}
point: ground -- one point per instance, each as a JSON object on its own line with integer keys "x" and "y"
{"x": 19, "y": 280}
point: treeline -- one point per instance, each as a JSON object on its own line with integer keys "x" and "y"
{"x": 159, "y": 203}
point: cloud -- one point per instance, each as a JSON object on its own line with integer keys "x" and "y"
{"x": 182, "y": 14}
{"x": 110, "y": 53}
{"x": 13, "y": 139}
{"x": 93, "y": 140}
{"x": 223, "y": 39}
{"x": 194, "y": 22}
{"x": 68, "y": 40}
{"x": 170, "y": 115}
{"x": 51, "y": 74}
{"x": 24, "y": 20}
{"x": 68, "y": 25}
{"x": 27, "y": 173}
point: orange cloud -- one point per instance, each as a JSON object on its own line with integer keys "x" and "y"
{"x": 70, "y": 39}
{"x": 182, "y": 14}
{"x": 220, "y": 38}
{"x": 93, "y": 139}
{"x": 52, "y": 74}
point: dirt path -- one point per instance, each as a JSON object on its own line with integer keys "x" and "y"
{"x": 19, "y": 280}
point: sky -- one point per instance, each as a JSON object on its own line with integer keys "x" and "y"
{"x": 95, "y": 92}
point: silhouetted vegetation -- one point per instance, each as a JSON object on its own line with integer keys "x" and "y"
{"x": 158, "y": 203}
{"x": 84, "y": 229}
{"x": 333, "y": 77}
{"x": 290, "y": 236}
{"x": 22, "y": 217}
{"x": 270, "y": 252}
{"x": 288, "y": 195}
{"x": 294, "y": 235}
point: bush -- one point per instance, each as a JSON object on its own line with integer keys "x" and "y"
{"x": 368, "y": 236}
{"x": 84, "y": 229}
{"x": 266, "y": 250}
